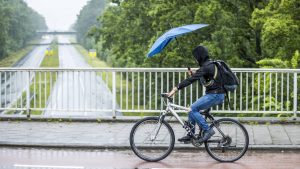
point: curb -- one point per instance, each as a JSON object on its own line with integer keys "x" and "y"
{"x": 131, "y": 119}
{"x": 127, "y": 147}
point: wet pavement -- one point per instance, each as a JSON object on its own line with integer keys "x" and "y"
{"x": 10, "y": 86}
{"x": 116, "y": 134}
{"x": 87, "y": 158}
{"x": 75, "y": 91}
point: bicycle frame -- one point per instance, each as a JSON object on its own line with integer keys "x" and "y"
{"x": 167, "y": 136}
{"x": 162, "y": 116}
{"x": 170, "y": 108}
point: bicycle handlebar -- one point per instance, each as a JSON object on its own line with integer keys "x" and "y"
{"x": 165, "y": 95}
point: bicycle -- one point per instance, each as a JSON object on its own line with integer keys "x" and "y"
{"x": 152, "y": 138}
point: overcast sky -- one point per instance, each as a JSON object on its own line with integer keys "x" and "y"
{"x": 59, "y": 14}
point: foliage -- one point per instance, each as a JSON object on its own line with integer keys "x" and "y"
{"x": 240, "y": 32}
{"x": 121, "y": 32}
{"x": 279, "y": 24}
{"x": 229, "y": 36}
{"x": 14, "y": 57}
{"x": 272, "y": 63}
{"x": 18, "y": 24}
{"x": 295, "y": 62}
{"x": 86, "y": 19}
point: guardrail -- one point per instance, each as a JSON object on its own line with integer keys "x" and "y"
{"x": 46, "y": 44}
{"x": 135, "y": 91}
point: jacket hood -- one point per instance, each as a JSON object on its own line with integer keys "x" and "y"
{"x": 201, "y": 54}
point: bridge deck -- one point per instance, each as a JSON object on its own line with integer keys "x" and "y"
{"x": 116, "y": 135}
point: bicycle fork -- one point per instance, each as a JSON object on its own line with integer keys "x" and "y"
{"x": 160, "y": 121}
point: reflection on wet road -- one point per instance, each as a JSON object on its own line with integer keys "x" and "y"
{"x": 77, "y": 93}
{"x": 79, "y": 158}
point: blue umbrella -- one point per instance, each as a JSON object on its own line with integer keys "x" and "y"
{"x": 167, "y": 37}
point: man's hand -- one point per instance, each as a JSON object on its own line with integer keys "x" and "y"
{"x": 172, "y": 92}
{"x": 190, "y": 72}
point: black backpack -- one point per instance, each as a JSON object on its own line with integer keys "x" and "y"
{"x": 228, "y": 79}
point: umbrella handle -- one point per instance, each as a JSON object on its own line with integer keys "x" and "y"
{"x": 190, "y": 71}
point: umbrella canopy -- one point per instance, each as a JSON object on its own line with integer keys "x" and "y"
{"x": 167, "y": 37}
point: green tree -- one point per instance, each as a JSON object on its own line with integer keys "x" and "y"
{"x": 18, "y": 24}
{"x": 86, "y": 19}
{"x": 4, "y": 27}
{"x": 168, "y": 14}
{"x": 231, "y": 37}
{"x": 240, "y": 32}
{"x": 125, "y": 32}
{"x": 279, "y": 25}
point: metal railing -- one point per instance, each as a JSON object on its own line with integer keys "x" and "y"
{"x": 135, "y": 91}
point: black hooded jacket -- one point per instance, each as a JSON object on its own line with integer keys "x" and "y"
{"x": 205, "y": 73}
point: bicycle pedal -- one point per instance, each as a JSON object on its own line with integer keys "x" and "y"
{"x": 186, "y": 142}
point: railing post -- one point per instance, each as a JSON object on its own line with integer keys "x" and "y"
{"x": 114, "y": 94}
{"x": 295, "y": 95}
{"x": 28, "y": 96}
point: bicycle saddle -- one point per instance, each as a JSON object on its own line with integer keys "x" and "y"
{"x": 203, "y": 112}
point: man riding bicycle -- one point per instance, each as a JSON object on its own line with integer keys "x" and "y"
{"x": 214, "y": 94}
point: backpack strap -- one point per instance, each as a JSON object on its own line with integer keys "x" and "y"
{"x": 216, "y": 72}
{"x": 226, "y": 92}
{"x": 228, "y": 100}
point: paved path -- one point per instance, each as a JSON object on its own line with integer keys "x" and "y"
{"x": 34, "y": 158}
{"x": 115, "y": 135}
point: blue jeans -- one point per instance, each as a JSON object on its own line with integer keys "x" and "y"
{"x": 204, "y": 102}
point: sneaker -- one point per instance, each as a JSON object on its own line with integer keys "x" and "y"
{"x": 207, "y": 135}
{"x": 186, "y": 138}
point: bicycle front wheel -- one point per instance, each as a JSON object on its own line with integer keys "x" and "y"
{"x": 230, "y": 141}
{"x": 152, "y": 140}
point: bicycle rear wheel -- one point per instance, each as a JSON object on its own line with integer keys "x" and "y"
{"x": 231, "y": 144}
{"x": 151, "y": 140}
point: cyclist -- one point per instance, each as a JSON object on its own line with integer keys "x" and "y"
{"x": 215, "y": 93}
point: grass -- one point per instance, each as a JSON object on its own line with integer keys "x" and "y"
{"x": 41, "y": 83}
{"x": 94, "y": 62}
{"x": 13, "y": 57}
{"x": 98, "y": 63}
{"x": 51, "y": 61}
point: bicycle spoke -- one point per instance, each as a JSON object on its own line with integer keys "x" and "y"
{"x": 230, "y": 141}
{"x": 213, "y": 141}
{"x": 151, "y": 140}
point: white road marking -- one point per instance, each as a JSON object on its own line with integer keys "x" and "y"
{"x": 47, "y": 166}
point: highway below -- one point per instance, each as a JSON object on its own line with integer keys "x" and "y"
{"x": 14, "y": 83}
{"x": 87, "y": 158}
{"x": 77, "y": 93}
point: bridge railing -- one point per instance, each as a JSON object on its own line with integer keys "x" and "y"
{"x": 136, "y": 92}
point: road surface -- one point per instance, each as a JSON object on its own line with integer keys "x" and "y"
{"x": 77, "y": 93}
{"x": 80, "y": 158}
{"x": 12, "y": 83}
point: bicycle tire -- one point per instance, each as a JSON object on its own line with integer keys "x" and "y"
{"x": 208, "y": 149}
{"x": 133, "y": 144}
